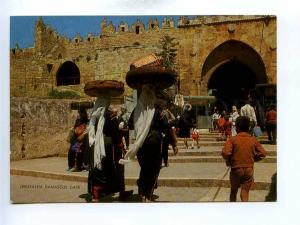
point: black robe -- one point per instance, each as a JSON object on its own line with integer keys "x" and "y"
{"x": 111, "y": 177}
{"x": 149, "y": 155}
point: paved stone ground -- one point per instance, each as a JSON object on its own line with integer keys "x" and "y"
{"x": 180, "y": 182}
{"x": 58, "y": 165}
{"x": 26, "y": 189}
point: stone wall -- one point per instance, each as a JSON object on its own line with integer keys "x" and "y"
{"x": 39, "y": 128}
{"x": 108, "y": 56}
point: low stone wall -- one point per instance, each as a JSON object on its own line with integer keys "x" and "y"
{"x": 39, "y": 127}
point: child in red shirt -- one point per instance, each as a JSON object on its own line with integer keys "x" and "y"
{"x": 227, "y": 127}
{"x": 221, "y": 122}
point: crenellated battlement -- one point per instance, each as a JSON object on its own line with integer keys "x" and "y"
{"x": 46, "y": 34}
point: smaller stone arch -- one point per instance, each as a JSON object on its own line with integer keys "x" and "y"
{"x": 67, "y": 74}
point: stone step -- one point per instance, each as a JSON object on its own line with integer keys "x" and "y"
{"x": 204, "y": 136}
{"x": 200, "y": 139}
{"x": 196, "y": 153}
{"x": 202, "y": 143}
{"x": 207, "y": 157}
{"x": 211, "y": 143}
{"x": 176, "y": 175}
{"x": 203, "y": 152}
{"x": 181, "y": 140}
{"x": 218, "y": 135}
{"x": 210, "y": 159}
{"x": 162, "y": 181}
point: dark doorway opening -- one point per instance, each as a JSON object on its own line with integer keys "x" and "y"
{"x": 231, "y": 84}
{"x": 68, "y": 74}
{"x": 137, "y": 29}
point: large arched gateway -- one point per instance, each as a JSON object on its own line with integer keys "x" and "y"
{"x": 231, "y": 70}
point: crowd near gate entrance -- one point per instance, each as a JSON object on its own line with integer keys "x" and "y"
{"x": 231, "y": 71}
{"x": 231, "y": 84}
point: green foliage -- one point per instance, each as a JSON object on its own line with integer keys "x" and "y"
{"x": 168, "y": 52}
{"x": 63, "y": 94}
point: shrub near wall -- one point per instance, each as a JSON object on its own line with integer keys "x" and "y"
{"x": 39, "y": 127}
{"x": 65, "y": 94}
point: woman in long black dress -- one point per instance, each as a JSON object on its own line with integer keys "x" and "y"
{"x": 185, "y": 124}
{"x": 149, "y": 156}
{"x": 149, "y": 124}
{"x": 106, "y": 175}
{"x": 148, "y": 75}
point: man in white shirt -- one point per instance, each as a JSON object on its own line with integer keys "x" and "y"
{"x": 248, "y": 111}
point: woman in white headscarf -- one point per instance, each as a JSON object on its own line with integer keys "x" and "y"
{"x": 149, "y": 125}
{"x": 148, "y": 76}
{"x": 106, "y": 175}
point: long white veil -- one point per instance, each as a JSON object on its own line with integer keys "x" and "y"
{"x": 143, "y": 115}
{"x": 97, "y": 138}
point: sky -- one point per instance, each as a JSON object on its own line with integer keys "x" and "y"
{"x": 22, "y": 27}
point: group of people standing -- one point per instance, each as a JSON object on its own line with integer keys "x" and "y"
{"x": 225, "y": 122}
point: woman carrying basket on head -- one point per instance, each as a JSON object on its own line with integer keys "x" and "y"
{"x": 106, "y": 175}
{"x": 148, "y": 76}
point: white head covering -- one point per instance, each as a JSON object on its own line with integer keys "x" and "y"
{"x": 97, "y": 138}
{"x": 143, "y": 115}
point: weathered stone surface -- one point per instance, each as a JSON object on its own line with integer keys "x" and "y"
{"x": 39, "y": 128}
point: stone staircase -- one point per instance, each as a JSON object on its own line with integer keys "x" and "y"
{"x": 209, "y": 150}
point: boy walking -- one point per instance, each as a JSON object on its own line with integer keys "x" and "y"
{"x": 240, "y": 152}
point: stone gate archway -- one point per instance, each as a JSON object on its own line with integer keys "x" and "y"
{"x": 231, "y": 70}
{"x": 67, "y": 74}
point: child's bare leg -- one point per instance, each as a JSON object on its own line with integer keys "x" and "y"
{"x": 175, "y": 149}
{"x": 244, "y": 194}
{"x": 186, "y": 143}
{"x": 233, "y": 193}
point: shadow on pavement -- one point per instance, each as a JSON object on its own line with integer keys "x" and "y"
{"x": 87, "y": 197}
{"x": 272, "y": 195}
{"x": 112, "y": 198}
{"x": 135, "y": 198}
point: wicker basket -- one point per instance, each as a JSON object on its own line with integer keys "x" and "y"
{"x": 100, "y": 88}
